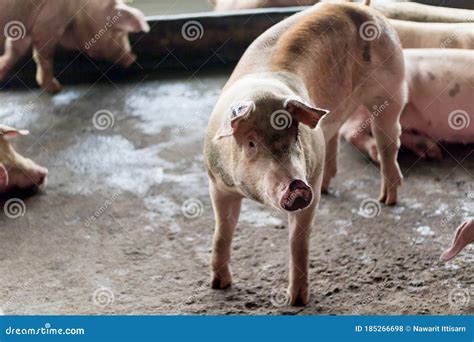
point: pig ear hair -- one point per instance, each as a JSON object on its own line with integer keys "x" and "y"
{"x": 303, "y": 112}
{"x": 238, "y": 111}
{"x": 7, "y": 131}
{"x": 3, "y": 177}
{"x": 130, "y": 19}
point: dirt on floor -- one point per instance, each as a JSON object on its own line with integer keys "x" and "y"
{"x": 125, "y": 223}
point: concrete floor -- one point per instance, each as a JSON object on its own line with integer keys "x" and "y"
{"x": 147, "y": 253}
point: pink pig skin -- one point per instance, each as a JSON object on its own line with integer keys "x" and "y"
{"x": 440, "y": 107}
{"x": 43, "y": 24}
{"x": 16, "y": 171}
{"x": 464, "y": 236}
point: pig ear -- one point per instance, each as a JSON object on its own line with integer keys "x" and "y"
{"x": 130, "y": 19}
{"x": 3, "y": 177}
{"x": 304, "y": 113}
{"x": 238, "y": 111}
{"x": 7, "y": 131}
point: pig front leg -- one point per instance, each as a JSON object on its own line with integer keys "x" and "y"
{"x": 300, "y": 224}
{"x": 226, "y": 212}
{"x": 14, "y": 51}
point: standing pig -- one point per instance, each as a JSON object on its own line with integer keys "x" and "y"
{"x": 16, "y": 171}
{"x": 464, "y": 236}
{"x": 267, "y": 138}
{"x": 440, "y": 106}
{"x": 99, "y": 28}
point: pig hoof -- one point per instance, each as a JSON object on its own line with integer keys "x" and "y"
{"x": 434, "y": 153}
{"x": 220, "y": 281}
{"x": 52, "y": 87}
{"x": 298, "y": 296}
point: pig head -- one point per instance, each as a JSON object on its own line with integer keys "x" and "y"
{"x": 16, "y": 171}
{"x": 463, "y": 237}
{"x": 101, "y": 30}
{"x": 269, "y": 159}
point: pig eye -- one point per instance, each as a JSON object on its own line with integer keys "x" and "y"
{"x": 251, "y": 144}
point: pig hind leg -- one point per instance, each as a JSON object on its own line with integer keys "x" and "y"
{"x": 330, "y": 163}
{"x": 15, "y": 50}
{"x": 46, "y": 35}
{"x": 226, "y": 212}
{"x": 386, "y": 130}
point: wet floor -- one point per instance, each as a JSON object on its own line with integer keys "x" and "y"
{"x": 125, "y": 223}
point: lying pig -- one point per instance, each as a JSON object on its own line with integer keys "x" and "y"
{"x": 17, "y": 172}
{"x": 232, "y": 5}
{"x": 434, "y": 35}
{"x": 98, "y": 27}
{"x": 273, "y": 133}
{"x": 440, "y": 106}
{"x": 394, "y": 10}
{"x": 464, "y": 236}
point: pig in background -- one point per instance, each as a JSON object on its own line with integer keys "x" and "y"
{"x": 440, "y": 107}
{"x": 16, "y": 171}
{"x": 396, "y": 9}
{"x": 97, "y": 27}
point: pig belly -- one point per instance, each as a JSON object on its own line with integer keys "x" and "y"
{"x": 441, "y": 94}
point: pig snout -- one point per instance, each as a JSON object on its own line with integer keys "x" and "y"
{"x": 297, "y": 195}
{"x": 26, "y": 176}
